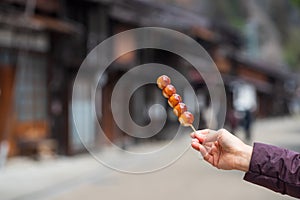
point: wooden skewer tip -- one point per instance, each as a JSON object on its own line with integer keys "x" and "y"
{"x": 193, "y": 128}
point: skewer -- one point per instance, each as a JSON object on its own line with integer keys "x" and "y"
{"x": 193, "y": 128}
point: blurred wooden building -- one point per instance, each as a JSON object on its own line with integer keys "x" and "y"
{"x": 43, "y": 43}
{"x": 32, "y": 60}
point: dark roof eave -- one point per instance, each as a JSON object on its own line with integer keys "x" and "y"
{"x": 157, "y": 14}
{"x": 41, "y": 23}
{"x": 261, "y": 66}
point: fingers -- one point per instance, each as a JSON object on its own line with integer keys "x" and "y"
{"x": 199, "y": 137}
{"x": 202, "y": 132}
{"x": 204, "y": 150}
{"x": 195, "y": 144}
{"x": 206, "y": 135}
{"x": 205, "y": 154}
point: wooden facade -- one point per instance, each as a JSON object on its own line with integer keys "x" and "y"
{"x": 28, "y": 63}
{"x": 63, "y": 46}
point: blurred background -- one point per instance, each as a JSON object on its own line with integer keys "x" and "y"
{"x": 255, "y": 45}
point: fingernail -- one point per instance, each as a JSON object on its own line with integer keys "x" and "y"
{"x": 195, "y": 144}
{"x": 195, "y": 140}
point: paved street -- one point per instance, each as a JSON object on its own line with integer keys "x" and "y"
{"x": 81, "y": 177}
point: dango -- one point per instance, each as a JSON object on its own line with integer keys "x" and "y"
{"x": 185, "y": 117}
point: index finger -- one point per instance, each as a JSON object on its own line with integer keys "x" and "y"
{"x": 202, "y": 132}
{"x": 207, "y": 135}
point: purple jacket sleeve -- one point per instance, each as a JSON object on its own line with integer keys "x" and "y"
{"x": 275, "y": 168}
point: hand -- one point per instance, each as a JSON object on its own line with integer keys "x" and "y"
{"x": 222, "y": 149}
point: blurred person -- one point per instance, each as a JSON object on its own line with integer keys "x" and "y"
{"x": 209, "y": 115}
{"x": 232, "y": 121}
{"x": 247, "y": 123}
{"x": 245, "y": 104}
{"x": 266, "y": 165}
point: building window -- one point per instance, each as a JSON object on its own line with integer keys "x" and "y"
{"x": 30, "y": 88}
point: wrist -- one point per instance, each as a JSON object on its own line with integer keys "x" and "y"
{"x": 243, "y": 159}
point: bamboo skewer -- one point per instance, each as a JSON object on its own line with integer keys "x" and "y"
{"x": 193, "y": 128}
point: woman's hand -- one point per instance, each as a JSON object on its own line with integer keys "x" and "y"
{"x": 222, "y": 149}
